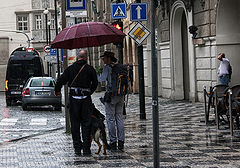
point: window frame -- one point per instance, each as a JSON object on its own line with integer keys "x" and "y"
{"x": 37, "y": 21}
{"x": 22, "y": 21}
{"x": 52, "y": 20}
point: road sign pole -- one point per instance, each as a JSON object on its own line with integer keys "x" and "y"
{"x": 56, "y": 27}
{"x": 46, "y": 24}
{"x": 120, "y": 46}
{"x": 155, "y": 115}
{"x": 141, "y": 82}
{"x": 49, "y": 36}
{"x": 65, "y": 65}
{"x": 141, "y": 79}
{"x": 120, "y": 53}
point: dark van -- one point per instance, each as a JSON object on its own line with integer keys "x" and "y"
{"x": 21, "y": 66}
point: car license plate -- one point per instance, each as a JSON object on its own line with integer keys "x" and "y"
{"x": 42, "y": 93}
{"x": 16, "y": 92}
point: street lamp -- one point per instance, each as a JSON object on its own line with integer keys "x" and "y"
{"x": 49, "y": 30}
{"x": 49, "y": 37}
{"x": 45, "y": 12}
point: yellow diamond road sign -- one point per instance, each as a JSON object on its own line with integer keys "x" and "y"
{"x": 139, "y": 33}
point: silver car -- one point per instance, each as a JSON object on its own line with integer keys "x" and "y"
{"x": 39, "y": 91}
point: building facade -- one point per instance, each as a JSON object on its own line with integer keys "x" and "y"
{"x": 185, "y": 63}
{"x": 24, "y": 16}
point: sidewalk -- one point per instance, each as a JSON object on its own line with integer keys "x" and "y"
{"x": 184, "y": 142}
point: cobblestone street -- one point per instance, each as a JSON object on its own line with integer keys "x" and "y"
{"x": 185, "y": 141}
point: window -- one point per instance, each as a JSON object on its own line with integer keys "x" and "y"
{"x": 22, "y": 23}
{"x": 42, "y": 83}
{"x": 52, "y": 19}
{"x": 38, "y": 21}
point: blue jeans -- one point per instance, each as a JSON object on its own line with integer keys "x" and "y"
{"x": 224, "y": 80}
{"x": 114, "y": 118}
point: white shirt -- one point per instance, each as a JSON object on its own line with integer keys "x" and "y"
{"x": 79, "y": 97}
{"x": 224, "y": 67}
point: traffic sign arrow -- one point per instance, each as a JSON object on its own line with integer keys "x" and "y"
{"x": 139, "y": 12}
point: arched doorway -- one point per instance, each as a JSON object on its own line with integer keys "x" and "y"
{"x": 182, "y": 54}
{"x": 228, "y": 34}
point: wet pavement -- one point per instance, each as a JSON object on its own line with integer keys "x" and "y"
{"x": 185, "y": 142}
{"x": 16, "y": 123}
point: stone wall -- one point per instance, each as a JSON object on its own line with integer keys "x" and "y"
{"x": 205, "y": 17}
{"x": 205, "y": 20}
{"x": 166, "y": 69}
{"x": 4, "y": 49}
{"x": 205, "y": 66}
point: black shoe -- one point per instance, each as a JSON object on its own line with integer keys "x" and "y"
{"x": 113, "y": 146}
{"x": 108, "y": 147}
{"x": 77, "y": 151}
{"x": 86, "y": 152}
{"x": 120, "y": 145}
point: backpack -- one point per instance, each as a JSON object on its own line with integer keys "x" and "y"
{"x": 122, "y": 79}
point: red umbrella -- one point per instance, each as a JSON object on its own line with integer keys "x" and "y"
{"x": 87, "y": 34}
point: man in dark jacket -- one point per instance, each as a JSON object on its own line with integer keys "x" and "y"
{"x": 82, "y": 81}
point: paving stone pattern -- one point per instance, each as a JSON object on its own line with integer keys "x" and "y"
{"x": 17, "y": 128}
{"x": 184, "y": 142}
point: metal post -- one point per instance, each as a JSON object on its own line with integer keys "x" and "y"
{"x": 230, "y": 111}
{"x": 50, "y": 64}
{"x": 56, "y": 27}
{"x": 141, "y": 82}
{"x": 210, "y": 100}
{"x": 120, "y": 46}
{"x": 120, "y": 53}
{"x": 65, "y": 65}
{"x": 155, "y": 114}
{"x": 46, "y": 19}
{"x": 46, "y": 24}
{"x": 141, "y": 79}
{"x": 216, "y": 109}
{"x": 49, "y": 31}
{"x": 205, "y": 104}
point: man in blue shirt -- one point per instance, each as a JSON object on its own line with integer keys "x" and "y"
{"x": 113, "y": 105}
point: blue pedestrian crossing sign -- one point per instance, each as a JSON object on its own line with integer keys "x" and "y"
{"x": 138, "y": 11}
{"x": 53, "y": 52}
{"x": 119, "y": 10}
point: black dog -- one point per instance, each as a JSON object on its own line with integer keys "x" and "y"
{"x": 98, "y": 130}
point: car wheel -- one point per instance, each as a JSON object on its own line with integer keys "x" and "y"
{"x": 58, "y": 107}
{"x": 24, "y": 107}
{"x": 9, "y": 102}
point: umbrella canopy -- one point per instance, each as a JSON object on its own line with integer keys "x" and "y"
{"x": 87, "y": 34}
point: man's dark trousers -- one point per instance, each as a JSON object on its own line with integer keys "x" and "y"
{"x": 80, "y": 114}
